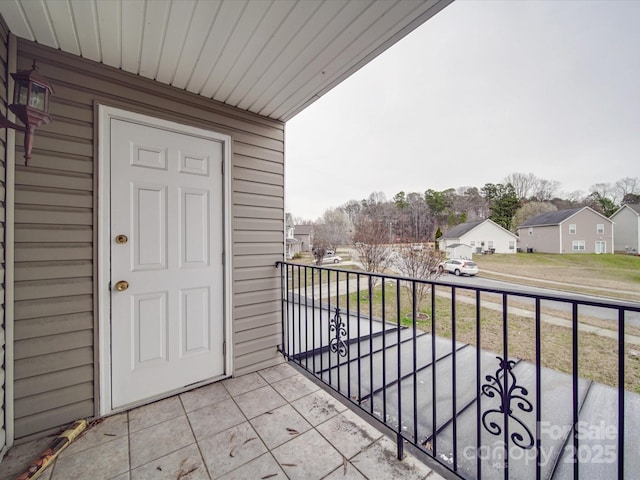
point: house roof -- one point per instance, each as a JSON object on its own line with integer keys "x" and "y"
{"x": 464, "y": 228}
{"x": 303, "y": 229}
{"x": 555, "y": 218}
{"x": 459, "y": 230}
{"x": 270, "y": 58}
{"x": 635, "y": 208}
{"x": 456, "y": 245}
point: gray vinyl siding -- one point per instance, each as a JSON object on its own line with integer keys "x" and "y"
{"x": 586, "y": 222}
{"x": 3, "y": 192}
{"x": 56, "y": 322}
{"x": 627, "y": 230}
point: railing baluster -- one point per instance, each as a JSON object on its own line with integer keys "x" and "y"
{"x": 313, "y": 317}
{"x": 538, "y": 392}
{"x": 434, "y": 417}
{"x": 505, "y": 405}
{"x": 283, "y": 308}
{"x": 320, "y": 323}
{"x": 454, "y": 392}
{"x": 370, "y": 288}
{"x": 348, "y": 339}
{"x": 337, "y": 309}
{"x": 399, "y": 369}
{"x": 359, "y": 342}
{"x": 414, "y": 337}
{"x": 574, "y": 373}
{"x": 621, "y": 442}
{"x": 384, "y": 353}
{"x": 299, "y": 317}
{"x": 478, "y": 387}
{"x": 329, "y": 323}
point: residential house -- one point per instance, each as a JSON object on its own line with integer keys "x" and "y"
{"x": 292, "y": 245}
{"x": 155, "y": 197}
{"x": 479, "y": 237}
{"x": 576, "y": 230}
{"x": 626, "y": 226}
{"x": 304, "y": 234}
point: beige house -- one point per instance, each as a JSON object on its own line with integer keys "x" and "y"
{"x": 304, "y": 234}
{"x": 627, "y": 229}
{"x": 576, "y": 230}
{"x": 140, "y": 241}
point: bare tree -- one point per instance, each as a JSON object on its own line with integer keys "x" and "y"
{"x": 421, "y": 264}
{"x": 371, "y": 242}
{"x": 545, "y": 190}
{"x": 626, "y": 186}
{"x": 332, "y": 230}
{"x": 523, "y": 183}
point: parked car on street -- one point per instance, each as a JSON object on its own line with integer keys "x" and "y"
{"x": 332, "y": 259}
{"x": 459, "y": 267}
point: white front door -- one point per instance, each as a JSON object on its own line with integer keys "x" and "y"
{"x": 601, "y": 246}
{"x": 166, "y": 243}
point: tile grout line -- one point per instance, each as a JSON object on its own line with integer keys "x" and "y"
{"x": 195, "y": 438}
{"x": 251, "y": 425}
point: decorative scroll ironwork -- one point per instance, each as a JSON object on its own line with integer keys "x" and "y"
{"x": 338, "y": 328}
{"x": 496, "y": 388}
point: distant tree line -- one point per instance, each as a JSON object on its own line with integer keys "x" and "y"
{"x": 418, "y": 216}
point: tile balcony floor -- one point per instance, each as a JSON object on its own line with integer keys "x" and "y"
{"x": 273, "y": 424}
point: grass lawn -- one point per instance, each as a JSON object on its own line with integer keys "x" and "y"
{"x": 597, "y": 355}
{"x": 618, "y": 275}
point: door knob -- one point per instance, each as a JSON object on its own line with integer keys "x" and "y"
{"x": 122, "y": 285}
{"x": 121, "y": 239}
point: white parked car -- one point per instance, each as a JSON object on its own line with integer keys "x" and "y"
{"x": 332, "y": 259}
{"x": 459, "y": 266}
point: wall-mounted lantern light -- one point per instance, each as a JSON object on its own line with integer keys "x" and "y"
{"x": 30, "y": 105}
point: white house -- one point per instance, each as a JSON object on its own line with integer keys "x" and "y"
{"x": 626, "y": 226}
{"x": 482, "y": 236}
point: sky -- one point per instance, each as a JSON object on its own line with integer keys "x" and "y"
{"x": 481, "y": 90}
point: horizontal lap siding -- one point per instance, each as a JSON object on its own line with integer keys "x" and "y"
{"x": 258, "y": 245}
{"x": 55, "y": 232}
{"x": 3, "y": 190}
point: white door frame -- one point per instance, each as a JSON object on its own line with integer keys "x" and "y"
{"x": 105, "y": 114}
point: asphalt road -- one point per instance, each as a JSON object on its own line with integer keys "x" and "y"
{"x": 631, "y": 318}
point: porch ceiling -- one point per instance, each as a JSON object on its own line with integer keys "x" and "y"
{"x": 268, "y": 57}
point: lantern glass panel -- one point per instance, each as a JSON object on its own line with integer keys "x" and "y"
{"x": 38, "y": 96}
{"x": 22, "y": 93}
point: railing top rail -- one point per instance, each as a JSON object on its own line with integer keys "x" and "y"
{"x": 578, "y": 298}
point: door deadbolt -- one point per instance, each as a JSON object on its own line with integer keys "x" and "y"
{"x": 121, "y": 239}
{"x": 122, "y": 285}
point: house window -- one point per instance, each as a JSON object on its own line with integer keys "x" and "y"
{"x": 531, "y": 231}
{"x": 572, "y": 228}
{"x": 512, "y": 244}
{"x": 600, "y": 228}
{"x": 490, "y": 243}
{"x": 578, "y": 246}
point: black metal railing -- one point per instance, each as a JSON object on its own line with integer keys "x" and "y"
{"x": 488, "y": 383}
